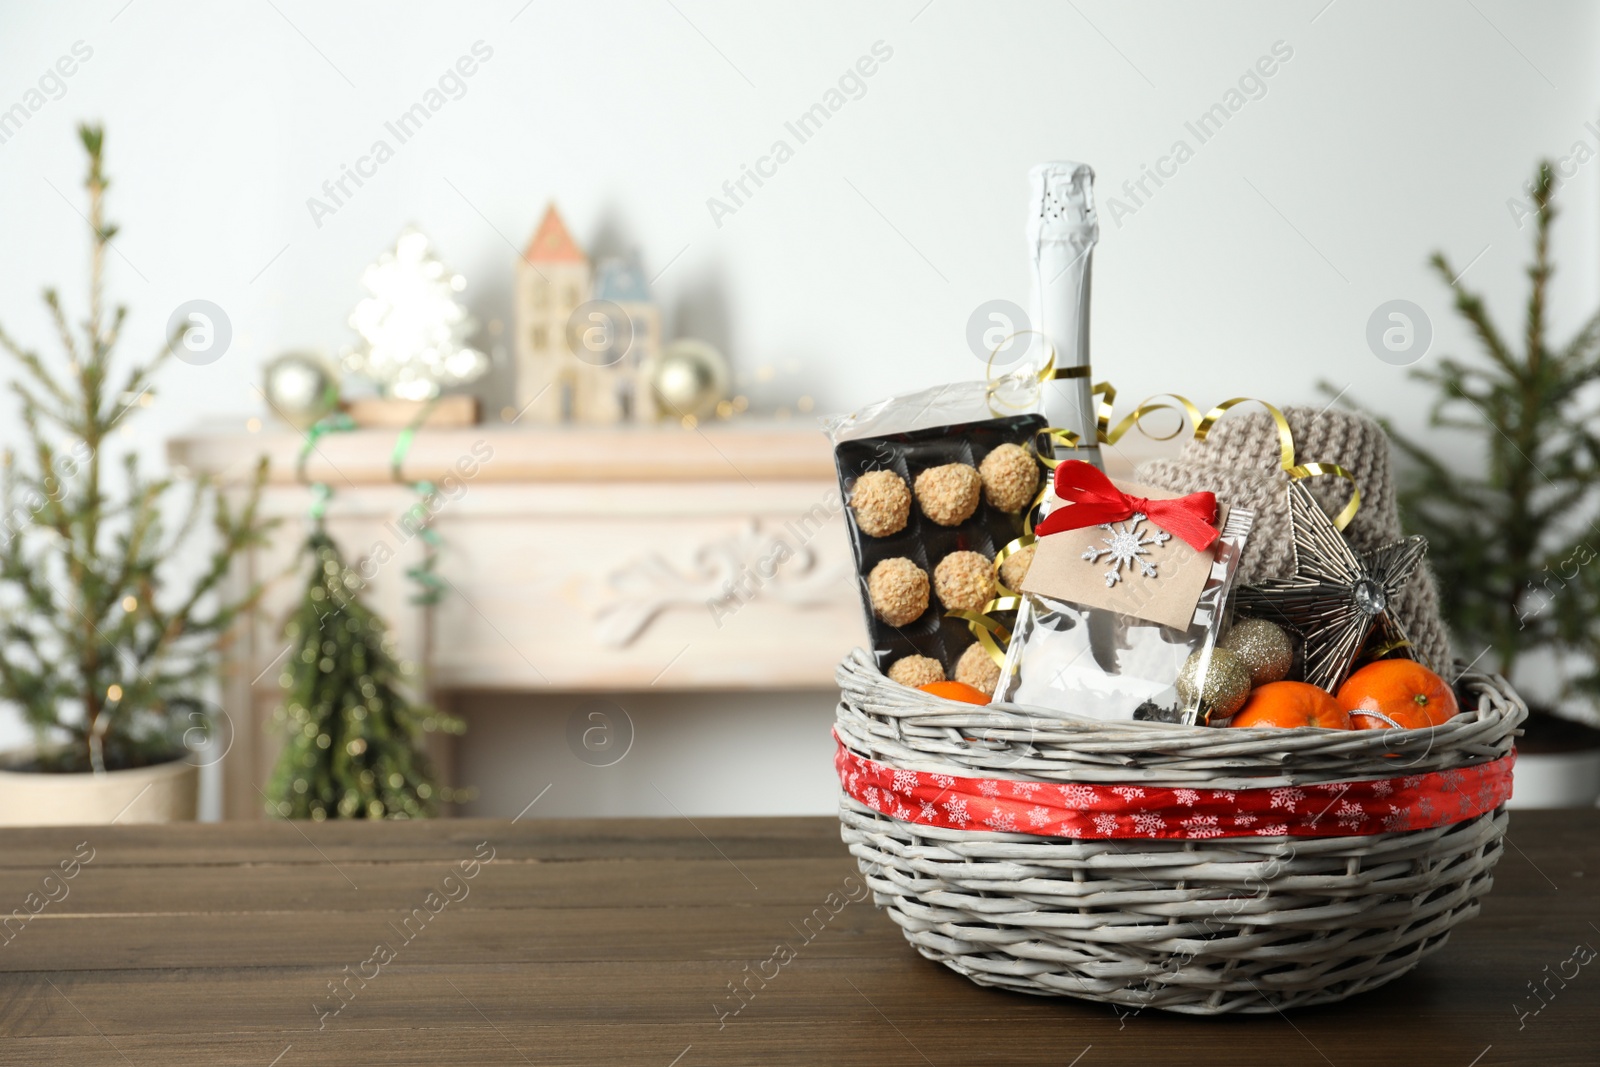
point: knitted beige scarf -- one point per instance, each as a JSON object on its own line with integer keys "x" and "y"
{"x": 1238, "y": 461}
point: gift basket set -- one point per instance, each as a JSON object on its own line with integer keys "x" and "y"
{"x": 1192, "y": 741}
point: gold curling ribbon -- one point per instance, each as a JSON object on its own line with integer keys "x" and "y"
{"x": 1048, "y": 372}
{"x": 1203, "y": 425}
{"x": 1058, "y": 436}
{"x": 985, "y": 628}
{"x": 1009, "y": 599}
{"x": 994, "y": 380}
{"x": 1012, "y": 548}
{"x": 1286, "y": 454}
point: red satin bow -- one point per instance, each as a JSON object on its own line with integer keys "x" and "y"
{"x": 1094, "y": 500}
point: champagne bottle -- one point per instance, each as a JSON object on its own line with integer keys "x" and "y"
{"x": 1062, "y": 231}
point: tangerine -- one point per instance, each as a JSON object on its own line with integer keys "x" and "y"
{"x": 968, "y": 694}
{"x": 1292, "y": 704}
{"x": 1397, "y": 692}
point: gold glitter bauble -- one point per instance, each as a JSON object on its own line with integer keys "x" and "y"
{"x": 688, "y": 379}
{"x": 1264, "y": 647}
{"x": 1227, "y": 684}
{"x": 300, "y": 388}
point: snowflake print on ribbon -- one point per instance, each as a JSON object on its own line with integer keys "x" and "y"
{"x": 1149, "y": 824}
{"x": 957, "y": 808}
{"x": 1307, "y": 810}
{"x": 1002, "y": 820}
{"x": 1286, "y": 797}
{"x": 1350, "y": 815}
{"x": 1077, "y": 796}
{"x": 1126, "y": 547}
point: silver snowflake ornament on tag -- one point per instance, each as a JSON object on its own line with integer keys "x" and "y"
{"x": 1126, "y": 547}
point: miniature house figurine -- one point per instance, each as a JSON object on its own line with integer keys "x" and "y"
{"x": 622, "y": 283}
{"x": 573, "y": 363}
{"x": 552, "y": 280}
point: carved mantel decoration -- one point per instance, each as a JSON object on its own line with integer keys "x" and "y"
{"x": 576, "y": 559}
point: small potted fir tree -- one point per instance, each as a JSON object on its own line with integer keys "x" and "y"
{"x": 104, "y": 658}
{"x": 1517, "y": 546}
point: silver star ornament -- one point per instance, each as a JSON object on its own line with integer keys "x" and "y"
{"x": 1336, "y": 597}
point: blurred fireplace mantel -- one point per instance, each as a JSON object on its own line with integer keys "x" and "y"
{"x": 575, "y": 559}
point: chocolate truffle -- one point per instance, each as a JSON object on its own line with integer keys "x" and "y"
{"x": 964, "y": 581}
{"x": 899, "y": 591}
{"x": 977, "y": 669}
{"x": 1015, "y": 568}
{"x": 949, "y": 494}
{"x": 1010, "y": 478}
{"x": 882, "y": 503}
{"x": 914, "y": 671}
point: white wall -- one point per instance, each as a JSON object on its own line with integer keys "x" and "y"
{"x": 1392, "y": 131}
{"x": 695, "y": 754}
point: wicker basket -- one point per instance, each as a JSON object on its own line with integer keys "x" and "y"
{"x": 1236, "y": 924}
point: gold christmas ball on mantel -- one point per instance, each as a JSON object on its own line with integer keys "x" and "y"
{"x": 300, "y": 388}
{"x": 688, "y": 379}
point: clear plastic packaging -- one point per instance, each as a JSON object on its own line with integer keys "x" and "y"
{"x": 957, "y": 424}
{"x": 1016, "y": 393}
{"x": 1106, "y": 665}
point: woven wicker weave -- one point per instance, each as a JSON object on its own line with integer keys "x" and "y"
{"x": 1221, "y": 925}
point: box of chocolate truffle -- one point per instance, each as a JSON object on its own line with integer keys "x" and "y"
{"x": 929, "y": 508}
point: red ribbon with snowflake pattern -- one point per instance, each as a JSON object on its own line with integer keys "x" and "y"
{"x": 1081, "y": 810}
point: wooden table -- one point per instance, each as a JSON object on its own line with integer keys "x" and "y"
{"x": 615, "y": 942}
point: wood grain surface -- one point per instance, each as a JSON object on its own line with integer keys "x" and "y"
{"x": 620, "y": 942}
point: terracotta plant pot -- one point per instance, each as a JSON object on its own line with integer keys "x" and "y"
{"x": 164, "y": 792}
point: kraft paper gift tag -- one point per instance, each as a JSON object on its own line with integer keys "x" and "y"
{"x": 1074, "y": 565}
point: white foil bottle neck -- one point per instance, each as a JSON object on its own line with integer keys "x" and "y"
{"x": 1062, "y": 231}
{"x": 1061, "y": 207}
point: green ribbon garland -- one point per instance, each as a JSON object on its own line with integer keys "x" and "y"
{"x": 430, "y": 587}
{"x": 321, "y": 492}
